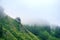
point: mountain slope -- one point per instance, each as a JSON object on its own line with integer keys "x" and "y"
{"x": 10, "y": 28}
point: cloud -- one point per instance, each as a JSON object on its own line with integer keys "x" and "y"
{"x": 32, "y": 9}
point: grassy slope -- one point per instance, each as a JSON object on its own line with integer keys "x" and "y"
{"x": 11, "y": 32}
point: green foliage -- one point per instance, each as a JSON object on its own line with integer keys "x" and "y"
{"x": 11, "y": 30}
{"x": 1, "y": 31}
{"x": 45, "y": 32}
{"x": 57, "y": 32}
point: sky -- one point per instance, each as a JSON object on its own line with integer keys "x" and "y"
{"x": 30, "y": 11}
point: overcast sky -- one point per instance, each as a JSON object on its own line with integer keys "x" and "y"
{"x": 33, "y": 10}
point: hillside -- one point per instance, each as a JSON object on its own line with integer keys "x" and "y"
{"x": 45, "y": 32}
{"x": 12, "y": 31}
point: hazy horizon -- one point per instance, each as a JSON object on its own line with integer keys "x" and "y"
{"x": 33, "y": 10}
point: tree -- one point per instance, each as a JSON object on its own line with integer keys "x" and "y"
{"x": 1, "y": 30}
{"x": 57, "y": 32}
{"x": 18, "y": 20}
{"x": 2, "y": 14}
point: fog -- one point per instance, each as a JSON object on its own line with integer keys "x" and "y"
{"x": 33, "y": 10}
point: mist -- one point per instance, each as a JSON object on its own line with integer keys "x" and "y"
{"x": 29, "y": 10}
{"x": 29, "y": 19}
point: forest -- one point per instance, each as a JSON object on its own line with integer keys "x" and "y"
{"x": 13, "y": 29}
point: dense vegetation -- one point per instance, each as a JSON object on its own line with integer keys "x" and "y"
{"x": 45, "y": 32}
{"x": 12, "y": 29}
